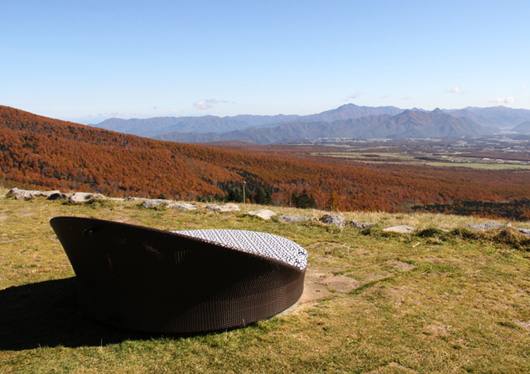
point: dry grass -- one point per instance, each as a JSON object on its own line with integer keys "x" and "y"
{"x": 432, "y": 301}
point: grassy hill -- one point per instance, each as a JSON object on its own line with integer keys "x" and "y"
{"x": 433, "y": 301}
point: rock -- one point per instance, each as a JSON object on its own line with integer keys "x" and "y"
{"x": 81, "y": 197}
{"x": 263, "y": 213}
{"x": 28, "y": 194}
{"x": 132, "y": 198}
{"x": 57, "y": 196}
{"x": 333, "y": 219}
{"x": 404, "y": 229}
{"x": 155, "y": 202}
{"x": 182, "y": 206}
{"x": 487, "y": 226}
{"x": 361, "y": 225}
{"x": 289, "y": 219}
{"x": 525, "y": 232}
{"x": 24, "y": 194}
{"x": 223, "y": 208}
{"x": 49, "y": 194}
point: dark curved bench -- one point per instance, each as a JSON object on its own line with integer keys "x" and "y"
{"x": 182, "y": 282}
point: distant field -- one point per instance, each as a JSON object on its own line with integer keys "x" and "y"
{"x": 413, "y": 160}
{"x": 480, "y": 166}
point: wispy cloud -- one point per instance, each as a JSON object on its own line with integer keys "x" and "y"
{"x": 352, "y": 97}
{"x": 207, "y": 103}
{"x": 500, "y": 101}
{"x": 524, "y": 86}
{"x": 113, "y": 114}
{"x": 384, "y": 97}
{"x": 456, "y": 90}
{"x": 405, "y": 98}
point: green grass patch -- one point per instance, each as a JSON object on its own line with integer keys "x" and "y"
{"x": 431, "y": 301}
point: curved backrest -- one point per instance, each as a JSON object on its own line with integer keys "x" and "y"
{"x": 151, "y": 280}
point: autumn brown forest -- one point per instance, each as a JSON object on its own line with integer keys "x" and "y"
{"x": 44, "y": 153}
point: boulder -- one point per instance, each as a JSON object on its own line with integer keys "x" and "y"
{"x": 403, "y": 229}
{"x": 81, "y": 197}
{"x": 361, "y": 225}
{"x": 223, "y": 208}
{"x": 23, "y": 194}
{"x": 182, "y": 206}
{"x": 155, "y": 202}
{"x": 487, "y": 226}
{"x": 263, "y": 213}
{"x": 333, "y": 219}
{"x": 289, "y": 219}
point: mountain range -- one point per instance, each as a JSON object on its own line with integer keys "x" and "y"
{"x": 408, "y": 124}
{"x": 347, "y": 121}
{"x": 151, "y": 127}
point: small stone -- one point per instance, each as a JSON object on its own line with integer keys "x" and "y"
{"x": 487, "y": 226}
{"x": 289, "y": 219}
{"x": 361, "y": 225}
{"x": 182, "y": 206}
{"x": 333, "y": 219}
{"x": 263, "y": 213}
{"x": 403, "y": 229}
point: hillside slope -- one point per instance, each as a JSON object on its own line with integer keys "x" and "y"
{"x": 41, "y": 152}
{"x": 523, "y": 128}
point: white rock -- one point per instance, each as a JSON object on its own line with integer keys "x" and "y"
{"x": 24, "y": 194}
{"x": 223, "y": 208}
{"x": 263, "y": 213}
{"x": 81, "y": 197}
{"x": 404, "y": 229}
{"x": 182, "y": 206}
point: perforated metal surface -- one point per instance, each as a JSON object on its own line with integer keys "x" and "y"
{"x": 259, "y": 243}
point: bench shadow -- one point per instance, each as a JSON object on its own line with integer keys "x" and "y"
{"x": 46, "y": 314}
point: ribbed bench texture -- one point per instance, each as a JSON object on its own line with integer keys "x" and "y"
{"x": 182, "y": 282}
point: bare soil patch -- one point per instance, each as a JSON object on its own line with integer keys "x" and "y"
{"x": 320, "y": 284}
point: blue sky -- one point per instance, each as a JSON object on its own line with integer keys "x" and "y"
{"x": 89, "y": 60}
